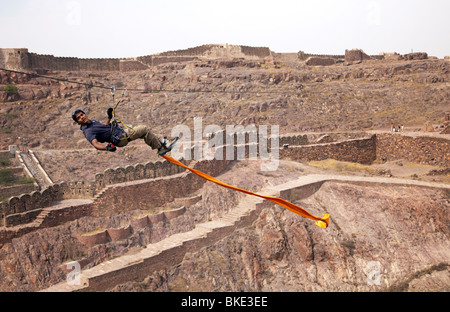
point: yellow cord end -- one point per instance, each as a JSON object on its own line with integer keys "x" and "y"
{"x": 323, "y": 223}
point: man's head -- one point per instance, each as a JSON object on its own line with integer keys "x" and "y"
{"x": 80, "y": 117}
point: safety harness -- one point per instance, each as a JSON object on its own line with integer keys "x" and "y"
{"x": 117, "y": 130}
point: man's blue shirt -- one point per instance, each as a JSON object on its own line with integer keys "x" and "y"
{"x": 97, "y": 130}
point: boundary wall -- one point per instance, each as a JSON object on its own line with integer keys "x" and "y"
{"x": 304, "y": 56}
{"x": 350, "y": 56}
{"x": 425, "y": 150}
{"x": 15, "y": 211}
{"x": 22, "y": 59}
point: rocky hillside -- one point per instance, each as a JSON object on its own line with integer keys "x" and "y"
{"x": 402, "y": 230}
{"x": 366, "y": 96}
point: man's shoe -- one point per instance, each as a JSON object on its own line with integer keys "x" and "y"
{"x": 163, "y": 150}
{"x": 166, "y": 146}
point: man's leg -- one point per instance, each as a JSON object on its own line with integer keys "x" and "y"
{"x": 144, "y": 132}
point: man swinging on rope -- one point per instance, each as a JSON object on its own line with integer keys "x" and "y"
{"x": 100, "y": 133}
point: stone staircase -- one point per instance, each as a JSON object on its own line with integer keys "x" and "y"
{"x": 33, "y": 167}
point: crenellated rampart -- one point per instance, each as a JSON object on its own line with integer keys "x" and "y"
{"x": 22, "y": 209}
{"x": 50, "y": 62}
{"x": 22, "y": 59}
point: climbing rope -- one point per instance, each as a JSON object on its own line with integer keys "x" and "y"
{"x": 115, "y": 122}
{"x": 322, "y": 222}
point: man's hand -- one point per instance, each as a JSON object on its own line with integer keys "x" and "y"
{"x": 109, "y": 113}
{"x": 110, "y": 148}
{"x": 101, "y": 146}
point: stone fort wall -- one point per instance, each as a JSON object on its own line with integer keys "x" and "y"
{"x": 38, "y": 61}
{"x": 14, "y": 58}
{"x": 304, "y": 56}
{"x": 16, "y": 210}
{"x": 325, "y": 59}
{"x": 221, "y": 51}
{"x": 424, "y": 150}
{"x": 22, "y": 59}
{"x": 361, "y": 151}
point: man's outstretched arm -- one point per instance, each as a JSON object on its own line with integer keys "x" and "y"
{"x": 103, "y": 147}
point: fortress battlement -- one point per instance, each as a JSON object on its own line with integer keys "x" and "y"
{"x": 22, "y": 59}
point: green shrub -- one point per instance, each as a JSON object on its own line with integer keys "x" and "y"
{"x": 10, "y": 89}
{"x": 6, "y": 177}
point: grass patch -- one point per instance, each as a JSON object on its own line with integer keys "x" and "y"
{"x": 331, "y": 164}
{"x": 24, "y": 180}
{"x": 5, "y": 162}
{"x": 8, "y": 178}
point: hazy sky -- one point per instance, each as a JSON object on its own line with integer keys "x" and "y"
{"x": 111, "y": 28}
